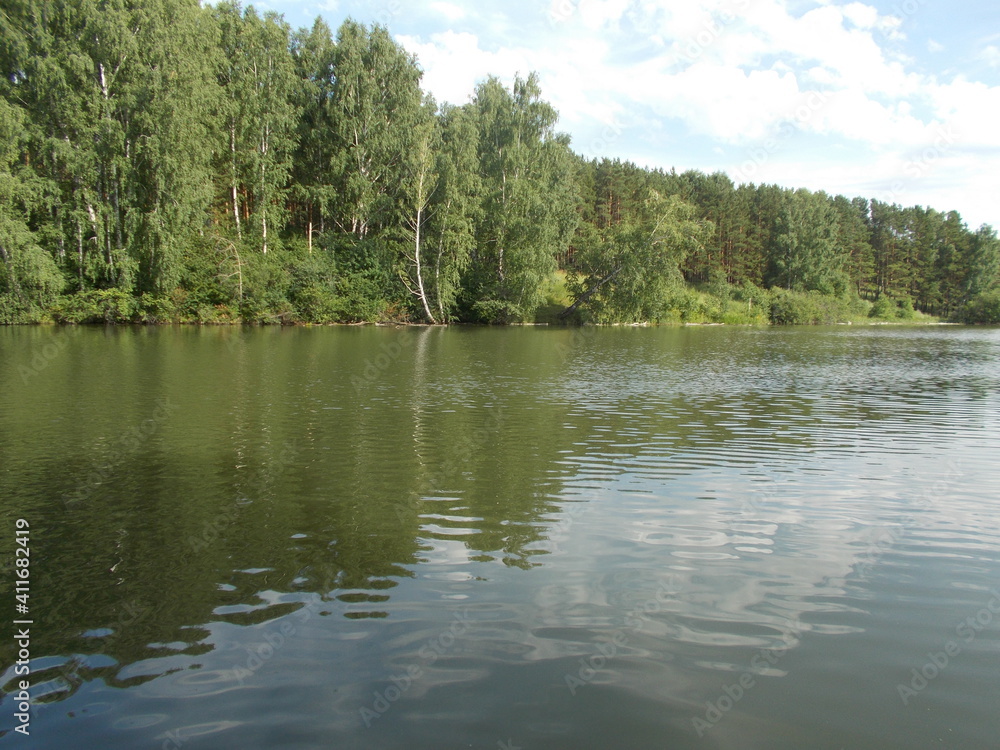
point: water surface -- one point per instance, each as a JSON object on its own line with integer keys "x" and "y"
{"x": 489, "y": 538}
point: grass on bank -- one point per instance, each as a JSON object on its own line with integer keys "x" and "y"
{"x": 750, "y": 305}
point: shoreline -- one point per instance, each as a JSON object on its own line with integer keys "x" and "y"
{"x": 409, "y": 324}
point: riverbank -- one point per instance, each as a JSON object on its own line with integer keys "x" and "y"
{"x": 685, "y": 304}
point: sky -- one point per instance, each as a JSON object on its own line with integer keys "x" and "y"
{"x": 897, "y": 100}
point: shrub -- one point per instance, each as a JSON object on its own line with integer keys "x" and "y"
{"x": 883, "y": 309}
{"x": 984, "y": 308}
{"x": 789, "y": 308}
{"x": 111, "y": 306}
{"x": 904, "y": 310}
{"x": 155, "y": 309}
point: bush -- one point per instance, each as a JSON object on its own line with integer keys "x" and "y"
{"x": 498, "y": 312}
{"x": 883, "y": 309}
{"x": 13, "y": 311}
{"x": 317, "y": 303}
{"x": 811, "y": 308}
{"x": 155, "y": 309}
{"x": 687, "y": 306}
{"x": 889, "y": 308}
{"x": 905, "y": 310}
{"x": 790, "y": 309}
{"x": 984, "y": 308}
{"x": 111, "y": 306}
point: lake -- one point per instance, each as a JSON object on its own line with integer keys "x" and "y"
{"x": 503, "y": 538}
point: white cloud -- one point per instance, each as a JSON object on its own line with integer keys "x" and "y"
{"x": 452, "y": 62}
{"x": 991, "y": 56}
{"x": 935, "y": 47}
{"x": 627, "y": 75}
{"x": 862, "y": 16}
{"x": 597, "y": 14}
{"x": 449, "y": 10}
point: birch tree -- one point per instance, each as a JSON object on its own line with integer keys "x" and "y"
{"x": 528, "y": 198}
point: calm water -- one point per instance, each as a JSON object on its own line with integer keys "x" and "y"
{"x": 504, "y": 538}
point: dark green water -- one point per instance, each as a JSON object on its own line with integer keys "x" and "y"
{"x": 493, "y": 538}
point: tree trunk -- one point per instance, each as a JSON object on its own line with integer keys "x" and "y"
{"x": 590, "y": 292}
{"x": 416, "y": 256}
{"x": 437, "y": 265}
{"x": 236, "y": 199}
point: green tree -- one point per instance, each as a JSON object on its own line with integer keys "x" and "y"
{"x": 456, "y": 206}
{"x": 170, "y": 130}
{"x": 891, "y": 243}
{"x": 805, "y": 254}
{"x": 29, "y": 278}
{"x": 984, "y": 262}
{"x": 950, "y": 265}
{"x": 313, "y": 193}
{"x": 419, "y": 181}
{"x": 853, "y": 238}
{"x": 257, "y": 74}
{"x": 529, "y": 204}
{"x": 625, "y": 274}
{"x": 376, "y": 103}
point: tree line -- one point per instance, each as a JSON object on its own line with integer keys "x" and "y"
{"x": 162, "y": 161}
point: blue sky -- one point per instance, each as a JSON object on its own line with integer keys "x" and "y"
{"x": 896, "y": 100}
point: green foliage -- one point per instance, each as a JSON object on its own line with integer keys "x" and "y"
{"x": 889, "y": 308}
{"x": 805, "y": 253}
{"x": 556, "y": 299}
{"x": 110, "y": 306}
{"x": 983, "y": 308}
{"x": 883, "y": 309}
{"x": 984, "y": 262}
{"x": 257, "y": 74}
{"x": 375, "y": 103}
{"x": 625, "y": 272}
{"x": 905, "y": 309}
{"x": 528, "y": 202}
{"x": 169, "y": 160}
{"x": 267, "y": 282}
{"x": 814, "y": 308}
{"x": 456, "y": 208}
{"x": 29, "y": 278}
{"x": 151, "y": 308}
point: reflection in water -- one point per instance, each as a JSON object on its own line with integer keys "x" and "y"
{"x": 429, "y": 538}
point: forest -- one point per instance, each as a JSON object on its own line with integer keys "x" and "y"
{"x": 163, "y": 161}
